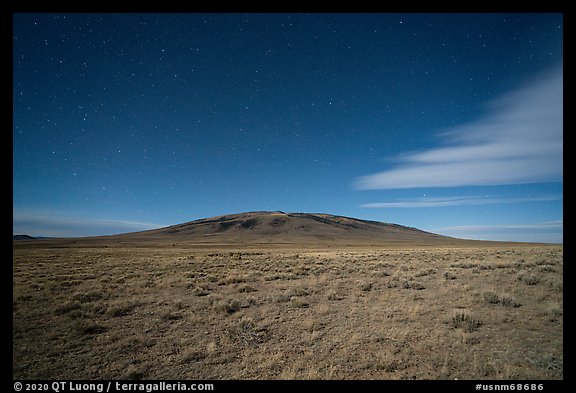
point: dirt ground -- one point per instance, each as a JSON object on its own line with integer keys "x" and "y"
{"x": 372, "y": 313}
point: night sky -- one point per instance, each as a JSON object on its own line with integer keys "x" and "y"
{"x": 451, "y": 123}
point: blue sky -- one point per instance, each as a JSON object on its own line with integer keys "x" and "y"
{"x": 451, "y": 123}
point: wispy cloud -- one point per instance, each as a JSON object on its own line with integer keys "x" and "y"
{"x": 518, "y": 141}
{"x": 549, "y": 231}
{"x": 57, "y": 225}
{"x": 458, "y": 201}
{"x": 557, "y": 224}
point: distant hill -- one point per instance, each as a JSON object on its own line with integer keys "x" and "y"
{"x": 277, "y": 227}
{"x": 23, "y": 237}
{"x": 267, "y": 229}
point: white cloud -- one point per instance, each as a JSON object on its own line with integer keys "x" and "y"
{"x": 550, "y": 231}
{"x": 558, "y": 224}
{"x": 458, "y": 201}
{"x": 60, "y": 225}
{"x": 518, "y": 141}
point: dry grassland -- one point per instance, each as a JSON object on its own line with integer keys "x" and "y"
{"x": 170, "y": 313}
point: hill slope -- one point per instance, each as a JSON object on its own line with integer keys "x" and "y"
{"x": 22, "y": 237}
{"x": 287, "y": 228}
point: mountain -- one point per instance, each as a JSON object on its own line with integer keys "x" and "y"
{"x": 287, "y": 228}
{"x": 23, "y": 237}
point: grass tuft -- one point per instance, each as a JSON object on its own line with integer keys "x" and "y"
{"x": 88, "y": 328}
{"x": 463, "y": 319}
{"x": 491, "y": 297}
{"x": 299, "y": 302}
{"x": 228, "y": 306}
{"x": 67, "y": 307}
{"x": 528, "y": 278}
